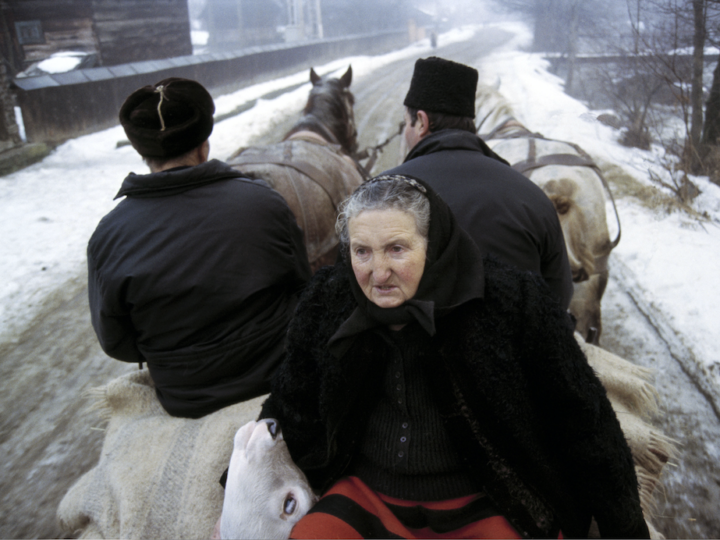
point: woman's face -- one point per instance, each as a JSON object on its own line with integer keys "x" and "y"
{"x": 387, "y": 255}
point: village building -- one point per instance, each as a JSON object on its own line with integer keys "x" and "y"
{"x": 246, "y": 23}
{"x": 115, "y": 31}
{"x": 116, "y": 43}
{"x": 104, "y": 32}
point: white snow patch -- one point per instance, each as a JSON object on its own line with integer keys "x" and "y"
{"x": 61, "y": 62}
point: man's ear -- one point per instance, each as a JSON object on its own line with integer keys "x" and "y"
{"x": 423, "y": 124}
{"x": 204, "y": 151}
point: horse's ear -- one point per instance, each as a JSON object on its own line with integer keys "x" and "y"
{"x": 346, "y": 79}
{"x": 314, "y": 77}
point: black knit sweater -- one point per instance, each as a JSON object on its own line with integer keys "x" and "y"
{"x": 406, "y": 451}
{"x": 523, "y": 408}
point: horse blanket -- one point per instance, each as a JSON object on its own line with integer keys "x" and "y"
{"x": 157, "y": 476}
{"x": 313, "y": 177}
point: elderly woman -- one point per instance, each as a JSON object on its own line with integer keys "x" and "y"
{"x": 428, "y": 392}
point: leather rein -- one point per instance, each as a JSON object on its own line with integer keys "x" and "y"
{"x": 533, "y": 161}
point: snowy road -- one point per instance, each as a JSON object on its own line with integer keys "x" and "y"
{"x": 689, "y": 506}
{"x": 48, "y": 438}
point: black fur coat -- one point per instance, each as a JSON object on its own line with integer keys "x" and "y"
{"x": 529, "y": 417}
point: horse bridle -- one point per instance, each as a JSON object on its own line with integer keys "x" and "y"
{"x": 373, "y": 152}
{"x": 582, "y": 159}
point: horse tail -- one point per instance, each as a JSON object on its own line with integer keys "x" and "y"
{"x": 574, "y": 225}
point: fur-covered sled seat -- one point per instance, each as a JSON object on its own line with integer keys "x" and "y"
{"x": 157, "y": 476}
{"x": 635, "y": 401}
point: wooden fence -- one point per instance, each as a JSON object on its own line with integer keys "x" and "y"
{"x": 65, "y": 105}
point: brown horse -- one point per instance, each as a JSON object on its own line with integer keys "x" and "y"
{"x": 313, "y": 168}
{"x": 574, "y": 184}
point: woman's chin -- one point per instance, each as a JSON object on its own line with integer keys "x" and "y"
{"x": 386, "y": 302}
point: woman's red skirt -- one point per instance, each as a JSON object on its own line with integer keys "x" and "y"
{"x": 350, "y": 509}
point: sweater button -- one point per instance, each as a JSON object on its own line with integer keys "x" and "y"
{"x": 403, "y": 439}
{"x": 401, "y": 453}
{"x": 404, "y": 425}
{"x": 398, "y": 387}
{"x": 397, "y": 374}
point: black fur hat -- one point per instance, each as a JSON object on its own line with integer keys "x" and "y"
{"x": 169, "y": 118}
{"x": 443, "y": 86}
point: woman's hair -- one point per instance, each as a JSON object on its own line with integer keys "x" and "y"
{"x": 387, "y": 192}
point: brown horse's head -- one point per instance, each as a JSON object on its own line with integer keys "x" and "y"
{"x": 329, "y": 111}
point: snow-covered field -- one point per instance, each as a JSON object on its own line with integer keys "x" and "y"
{"x": 49, "y": 210}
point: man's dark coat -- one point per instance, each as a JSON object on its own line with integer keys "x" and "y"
{"x": 527, "y": 414}
{"x": 196, "y": 272}
{"x": 504, "y": 212}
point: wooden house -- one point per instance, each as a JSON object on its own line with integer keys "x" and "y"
{"x": 9, "y": 133}
{"x": 116, "y": 31}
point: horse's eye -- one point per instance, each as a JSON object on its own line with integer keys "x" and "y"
{"x": 290, "y": 505}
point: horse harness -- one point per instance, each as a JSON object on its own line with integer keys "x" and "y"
{"x": 497, "y": 131}
{"x": 581, "y": 159}
{"x": 322, "y": 178}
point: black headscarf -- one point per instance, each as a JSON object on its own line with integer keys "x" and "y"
{"x": 453, "y": 275}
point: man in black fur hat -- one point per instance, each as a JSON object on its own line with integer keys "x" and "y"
{"x": 504, "y": 212}
{"x": 197, "y": 271}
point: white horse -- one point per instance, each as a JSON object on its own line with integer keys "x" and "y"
{"x": 574, "y": 184}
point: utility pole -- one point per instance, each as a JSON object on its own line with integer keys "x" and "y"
{"x": 295, "y": 29}
{"x": 318, "y": 21}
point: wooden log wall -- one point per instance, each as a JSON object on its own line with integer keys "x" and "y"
{"x": 137, "y": 30}
{"x": 10, "y": 51}
{"x": 62, "y": 35}
{"x": 66, "y": 25}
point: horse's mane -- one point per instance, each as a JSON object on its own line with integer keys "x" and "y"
{"x": 495, "y": 116}
{"x": 327, "y": 113}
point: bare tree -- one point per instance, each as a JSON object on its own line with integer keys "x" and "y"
{"x": 711, "y": 127}
{"x": 565, "y": 26}
{"x": 699, "y": 8}
{"x": 657, "y": 69}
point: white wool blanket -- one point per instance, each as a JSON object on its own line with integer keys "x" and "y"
{"x": 157, "y": 476}
{"x": 635, "y": 401}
